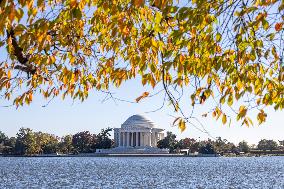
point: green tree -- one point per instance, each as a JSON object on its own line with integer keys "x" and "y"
{"x": 87, "y": 45}
{"x": 65, "y": 145}
{"x": 48, "y": 143}
{"x": 3, "y": 137}
{"x": 223, "y": 145}
{"x": 207, "y": 148}
{"x": 267, "y": 145}
{"x": 244, "y": 147}
{"x": 3, "y": 140}
{"x": 220, "y": 145}
{"x": 83, "y": 142}
{"x": 168, "y": 142}
{"x": 188, "y": 143}
{"x": 26, "y": 142}
{"x": 103, "y": 141}
{"x": 9, "y": 146}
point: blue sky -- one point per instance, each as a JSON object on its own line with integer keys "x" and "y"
{"x": 68, "y": 117}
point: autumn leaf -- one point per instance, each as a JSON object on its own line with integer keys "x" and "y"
{"x": 218, "y": 37}
{"x": 30, "y": 96}
{"x": 182, "y": 125}
{"x": 125, "y": 31}
{"x": 138, "y": 3}
{"x": 9, "y": 74}
{"x": 144, "y": 95}
{"x": 278, "y": 26}
{"x": 242, "y": 112}
{"x": 224, "y": 119}
{"x": 162, "y": 42}
{"x": 181, "y": 58}
{"x": 261, "y": 117}
{"x": 73, "y": 3}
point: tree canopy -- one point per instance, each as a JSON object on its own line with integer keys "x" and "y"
{"x": 223, "y": 50}
{"x": 28, "y": 142}
{"x": 267, "y": 145}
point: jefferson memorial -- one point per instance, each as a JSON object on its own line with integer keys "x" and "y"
{"x": 136, "y": 135}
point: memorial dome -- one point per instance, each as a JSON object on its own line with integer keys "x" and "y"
{"x": 138, "y": 121}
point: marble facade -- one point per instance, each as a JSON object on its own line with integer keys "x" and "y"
{"x": 137, "y": 131}
{"x": 137, "y": 135}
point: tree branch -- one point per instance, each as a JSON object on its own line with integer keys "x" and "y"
{"x": 18, "y": 52}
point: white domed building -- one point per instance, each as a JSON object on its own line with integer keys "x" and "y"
{"x": 136, "y": 135}
{"x": 137, "y": 131}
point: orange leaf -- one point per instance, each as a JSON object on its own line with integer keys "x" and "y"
{"x": 181, "y": 58}
{"x": 31, "y": 96}
{"x": 125, "y": 31}
{"x": 9, "y": 74}
{"x": 73, "y": 3}
{"x": 138, "y": 3}
{"x": 278, "y": 26}
{"x": 144, "y": 95}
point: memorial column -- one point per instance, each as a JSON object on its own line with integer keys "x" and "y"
{"x": 150, "y": 137}
{"x": 141, "y": 139}
{"x": 127, "y": 138}
{"x": 119, "y": 135}
{"x": 137, "y": 139}
{"x": 122, "y": 138}
{"x": 154, "y": 138}
{"x": 132, "y": 141}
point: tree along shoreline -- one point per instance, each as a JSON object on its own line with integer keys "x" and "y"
{"x": 262, "y": 154}
{"x": 29, "y": 143}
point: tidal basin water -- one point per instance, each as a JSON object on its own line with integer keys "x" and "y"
{"x": 137, "y": 172}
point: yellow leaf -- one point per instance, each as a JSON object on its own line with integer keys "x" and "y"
{"x": 48, "y": 38}
{"x": 9, "y": 74}
{"x": 224, "y": 119}
{"x": 182, "y": 125}
{"x": 250, "y": 121}
{"x": 242, "y": 111}
{"x": 218, "y": 49}
{"x": 125, "y": 31}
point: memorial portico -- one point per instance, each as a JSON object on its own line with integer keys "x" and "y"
{"x": 137, "y": 131}
{"x": 137, "y": 135}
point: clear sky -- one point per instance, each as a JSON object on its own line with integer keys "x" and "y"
{"x": 68, "y": 117}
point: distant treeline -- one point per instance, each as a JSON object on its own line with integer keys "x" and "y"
{"x": 28, "y": 142}
{"x": 220, "y": 146}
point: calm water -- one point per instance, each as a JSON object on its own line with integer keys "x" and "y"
{"x": 135, "y": 172}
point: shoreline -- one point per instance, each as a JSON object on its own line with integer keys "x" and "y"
{"x": 136, "y": 155}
